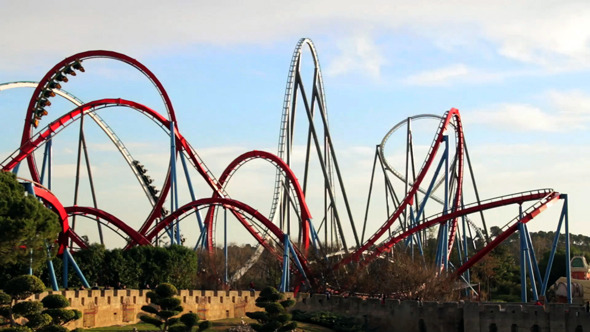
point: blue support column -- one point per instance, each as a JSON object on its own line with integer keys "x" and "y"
{"x": 175, "y": 229}
{"x": 191, "y": 190}
{"x": 225, "y": 245}
{"x": 52, "y": 277}
{"x": 65, "y": 268}
{"x": 567, "y": 251}
{"x": 298, "y": 263}
{"x": 69, "y": 257}
{"x": 553, "y": 250}
{"x": 45, "y": 160}
{"x": 49, "y": 164}
{"x": 315, "y": 240}
{"x": 532, "y": 255}
{"x": 284, "y": 286}
{"x": 523, "y": 288}
{"x": 445, "y": 239}
{"x": 200, "y": 241}
{"x": 426, "y": 196}
{"x": 466, "y": 275}
{"x": 15, "y": 169}
{"x": 31, "y": 261}
{"x": 529, "y": 254}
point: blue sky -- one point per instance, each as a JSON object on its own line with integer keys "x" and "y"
{"x": 517, "y": 71}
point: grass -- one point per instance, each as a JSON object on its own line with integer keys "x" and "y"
{"x": 138, "y": 326}
{"x": 218, "y": 325}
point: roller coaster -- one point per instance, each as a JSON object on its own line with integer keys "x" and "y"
{"x": 288, "y": 230}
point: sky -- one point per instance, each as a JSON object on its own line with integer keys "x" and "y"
{"x": 516, "y": 70}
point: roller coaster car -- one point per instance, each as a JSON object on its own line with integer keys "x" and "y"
{"x": 580, "y": 268}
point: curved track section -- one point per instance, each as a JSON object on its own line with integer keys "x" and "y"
{"x": 388, "y": 167}
{"x": 99, "y": 121}
{"x": 56, "y": 126}
{"x": 109, "y": 218}
{"x": 60, "y": 70}
{"x": 542, "y": 195}
{"x": 509, "y": 229}
{"x": 289, "y": 192}
{"x": 237, "y": 206}
{"x": 53, "y": 203}
{"x": 305, "y": 215}
{"x": 450, "y": 115}
{"x": 318, "y": 141}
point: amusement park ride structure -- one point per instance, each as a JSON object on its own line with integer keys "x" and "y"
{"x": 288, "y": 230}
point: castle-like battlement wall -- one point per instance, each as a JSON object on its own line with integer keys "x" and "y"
{"x": 417, "y": 316}
{"x": 123, "y": 306}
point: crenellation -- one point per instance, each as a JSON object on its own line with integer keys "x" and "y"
{"x": 118, "y": 307}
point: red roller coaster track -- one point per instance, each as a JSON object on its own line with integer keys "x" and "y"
{"x": 252, "y": 220}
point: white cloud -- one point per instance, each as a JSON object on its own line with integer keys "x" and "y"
{"x": 517, "y": 117}
{"x": 571, "y": 103}
{"x": 552, "y": 34}
{"x": 461, "y": 73}
{"x": 563, "y": 111}
{"x": 357, "y": 54}
{"x": 441, "y": 76}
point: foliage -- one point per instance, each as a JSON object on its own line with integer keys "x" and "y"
{"x": 164, "y": 306}
{"x": 24, "y": 286}
{"x": 143, "y": 266}
{"x": 4, "y": 298}
{"x": 275, "y": 316}
{"x": 53, "y": 328}
{"x": 62, "y": 316}
{"x": 55, "y": 301}
{"x": 37, "y": 318}
{"x": 205, "y": 325}
{"x": 498, "y": 273}
{"x": 137, "y": 267}
{"x": 25, "y": 224}
{"x": 330, "y": 320}
{"x": 398, "y": 276}
{"x": 17, "y": 329}
{"x": 21, "y": 288}
{"x": 26, "y": 308}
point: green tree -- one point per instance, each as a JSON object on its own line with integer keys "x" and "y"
{"x": 25, "y": 224}
{"x": 46, "y": 316}
{"x": 12, "y": 307}
{"x": 118, "y": 269}
{"x": 275, "y": 316}
{"x": 175, "y": 264}
{"x": 188, "y": 321}
{"x": 164, "y": 306}
{"x": 56, "y": 305}
{"x": 92, "y": 261}
{"x": 163, "y": 309}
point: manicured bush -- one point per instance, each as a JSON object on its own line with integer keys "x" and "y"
{"x": 275, "y": 316}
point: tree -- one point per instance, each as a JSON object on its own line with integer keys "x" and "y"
{"x": 275, "y": 316}
{"x": 91, "y": 261}
{"x": 26, "y": 225}
{"x": 11, "y": 309}
{"x": 46, "y": 316}
{"x": 175, "y": 264}
{"x": 188, "y": 321}
{"x": 56, "y": 305}
{"x": 165, "y": 306}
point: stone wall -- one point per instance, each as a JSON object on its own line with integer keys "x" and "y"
{"x": 121, "y": 307}
{"x": 415, "y": 316}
